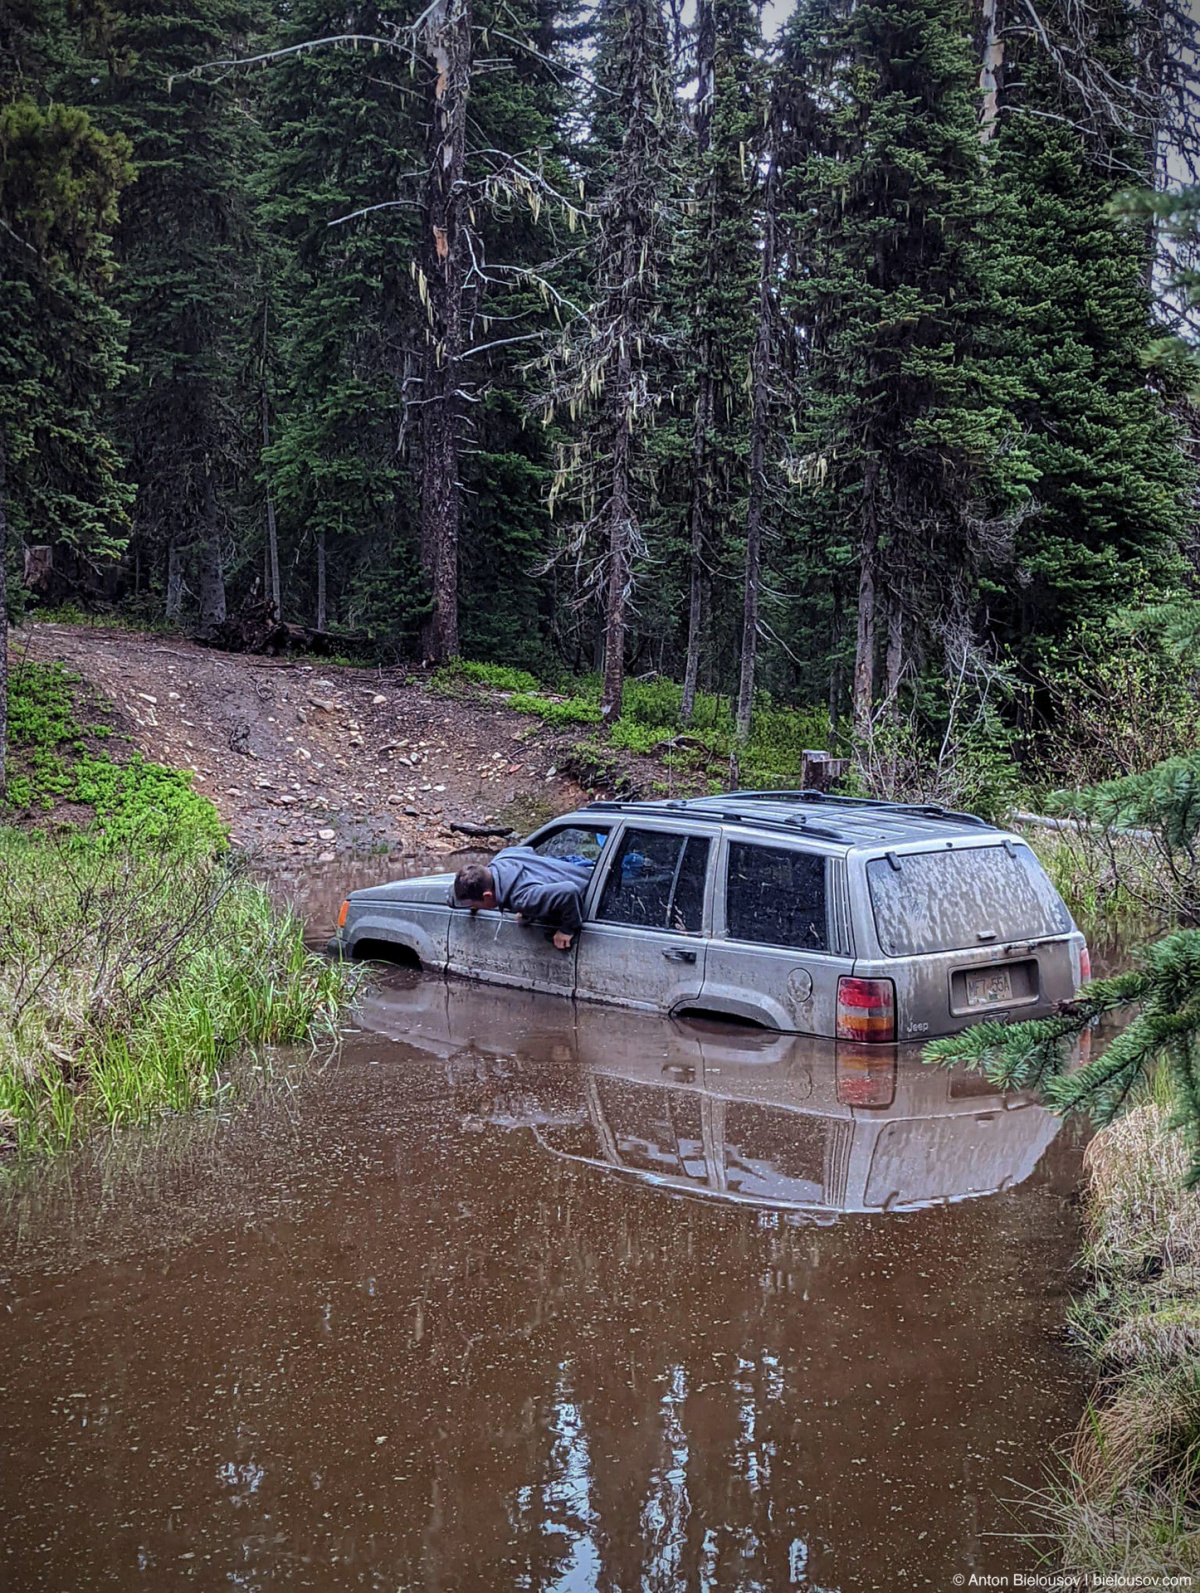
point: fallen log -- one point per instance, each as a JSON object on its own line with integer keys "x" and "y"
{"x": 256, "y": 629}
{"x": 480, "y": 830}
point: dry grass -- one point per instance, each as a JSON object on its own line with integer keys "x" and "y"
{"x": 1131, "y": 1501}
{"x": 1143, "y": 1428}
{"x": 1138, "y": 1212}
{"x": 1142, "y": 1532}
{"x": 1161, "y": 1331}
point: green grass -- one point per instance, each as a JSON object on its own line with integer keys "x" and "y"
{"x": 131, "y": 980}
{"x": 138, "y": 966}
{"x": 650, "y": 723}
{"x": 134, "y": 802}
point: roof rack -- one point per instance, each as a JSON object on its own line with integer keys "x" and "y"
{"x": 795, "y": 826}
{"x": 923, "y": 810}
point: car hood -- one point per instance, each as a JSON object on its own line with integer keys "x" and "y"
{"x": 428, "y": 888}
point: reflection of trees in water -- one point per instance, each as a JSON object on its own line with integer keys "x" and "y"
{"x": 653, "y": 1413}
{"x": 581, "y": 1381}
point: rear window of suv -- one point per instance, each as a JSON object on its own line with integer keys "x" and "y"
{"x": 949, "y": 901}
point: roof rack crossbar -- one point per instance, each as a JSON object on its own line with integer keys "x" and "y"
{"x": 923, "y": 810}
{"x": 793, "y": 827}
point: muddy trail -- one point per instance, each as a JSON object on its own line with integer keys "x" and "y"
{"x": 310, "y": 761}
{"x": 516, "y": 1294}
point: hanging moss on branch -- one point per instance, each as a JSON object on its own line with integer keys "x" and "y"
{"x": 1163, "y": 991}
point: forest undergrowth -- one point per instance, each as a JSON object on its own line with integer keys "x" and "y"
{"x": 141, "y": 971}
{"x": 1127, "y": 1500}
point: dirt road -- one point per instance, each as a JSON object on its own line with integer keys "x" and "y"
{"x": 314, "y": 760}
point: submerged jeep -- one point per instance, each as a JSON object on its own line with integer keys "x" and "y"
{"x": 795, "y": 910}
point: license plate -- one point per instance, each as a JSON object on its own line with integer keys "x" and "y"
{"x": 991, "y": 988}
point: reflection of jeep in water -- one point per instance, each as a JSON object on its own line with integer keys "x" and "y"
{"x": 804, "y": 913}
{"x": 781, "y": 1121}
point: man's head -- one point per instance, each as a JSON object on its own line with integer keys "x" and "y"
{"x": 474, "y": 887}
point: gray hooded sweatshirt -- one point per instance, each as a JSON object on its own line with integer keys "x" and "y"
{"x": 546, "y": 890}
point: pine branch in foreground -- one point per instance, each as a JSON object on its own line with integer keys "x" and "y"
{"x": 1164, "y": 993}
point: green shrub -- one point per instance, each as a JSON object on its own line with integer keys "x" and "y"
{"x": 570, "y": 712}
{"x": 496, "y": 676}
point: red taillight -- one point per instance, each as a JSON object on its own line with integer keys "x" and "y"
{"x": 866, "y": 1076}
{"x": 342, "y": 915}
{"x": 866, "y": 1009}
{"x": 1085, "y": 965}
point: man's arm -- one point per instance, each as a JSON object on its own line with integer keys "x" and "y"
{"x": 556, "y": 904}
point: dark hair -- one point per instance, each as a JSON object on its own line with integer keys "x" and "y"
{"x": 471, "y": 882}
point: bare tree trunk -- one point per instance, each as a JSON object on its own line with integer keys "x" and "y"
{"x": 447, "y": 37}
{"x": 701, "y": 517}
{"x": 760, "y": 402}
{"x": 174, "y": 580}
{"x": 701, "y": 507}
{"x": 619, "y": 540}
{"x": 864, "y": 653}
{"x": 894, "y": 658}
{"x": 991, "y": 70}
{"x": 212, "y": 576}
{"x": 272, "y": 538}
{"x": 3, "y": 619}
{"x": 321, "y": 579}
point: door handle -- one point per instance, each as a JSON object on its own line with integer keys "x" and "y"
{"x": 678, "y": 954}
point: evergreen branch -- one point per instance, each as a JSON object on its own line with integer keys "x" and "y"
{"x": 1165, "y": 1032}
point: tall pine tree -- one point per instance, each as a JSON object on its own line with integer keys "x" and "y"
{"x": 61, "y": 342}
{"x": 606, "y": 367}
{"x": 900, "y": 444}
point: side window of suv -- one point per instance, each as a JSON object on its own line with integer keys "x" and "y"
{"x": 656, "y": 881}
{"x": 776, "y": 897}
{"x": 573, "y": 843}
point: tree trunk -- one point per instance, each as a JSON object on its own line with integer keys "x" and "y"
{"x": 760, "y": 401}
{"x": 321, "y": 579}
{"x": 3, "y": 620}
{"x": 894, "y": 658}
{"x": 174, "y": 580}
{"x": 701, "y": 508}
{"x": 447, "y": 38}
{"x": 991, "y": 70}
{"x": 212, "y": 576}
{"x": 701, "y": 517}
{"x": 272, "y": 538}
{"x": 864, "y": 653}
{"x": 619, "y": 539}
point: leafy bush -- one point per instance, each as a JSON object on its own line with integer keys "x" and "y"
{"x": 569, "y": 712}
{"x": 1129, "y": 704}
{"x": 1141, "y": 832}
{"x": 497, "y": 676}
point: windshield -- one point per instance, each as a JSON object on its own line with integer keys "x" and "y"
{"x": 948, "y": 901}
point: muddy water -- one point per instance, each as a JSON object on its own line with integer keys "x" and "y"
{"x": 517, "y": 1295}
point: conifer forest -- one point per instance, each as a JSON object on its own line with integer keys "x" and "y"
{"x": 840, "y": 364}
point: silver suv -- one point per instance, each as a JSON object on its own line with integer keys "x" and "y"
{"x": 811, "y": 914}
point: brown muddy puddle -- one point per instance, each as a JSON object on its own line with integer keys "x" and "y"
{"x": 406, "y": 1325}
{"x": 514, "y": 1294}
